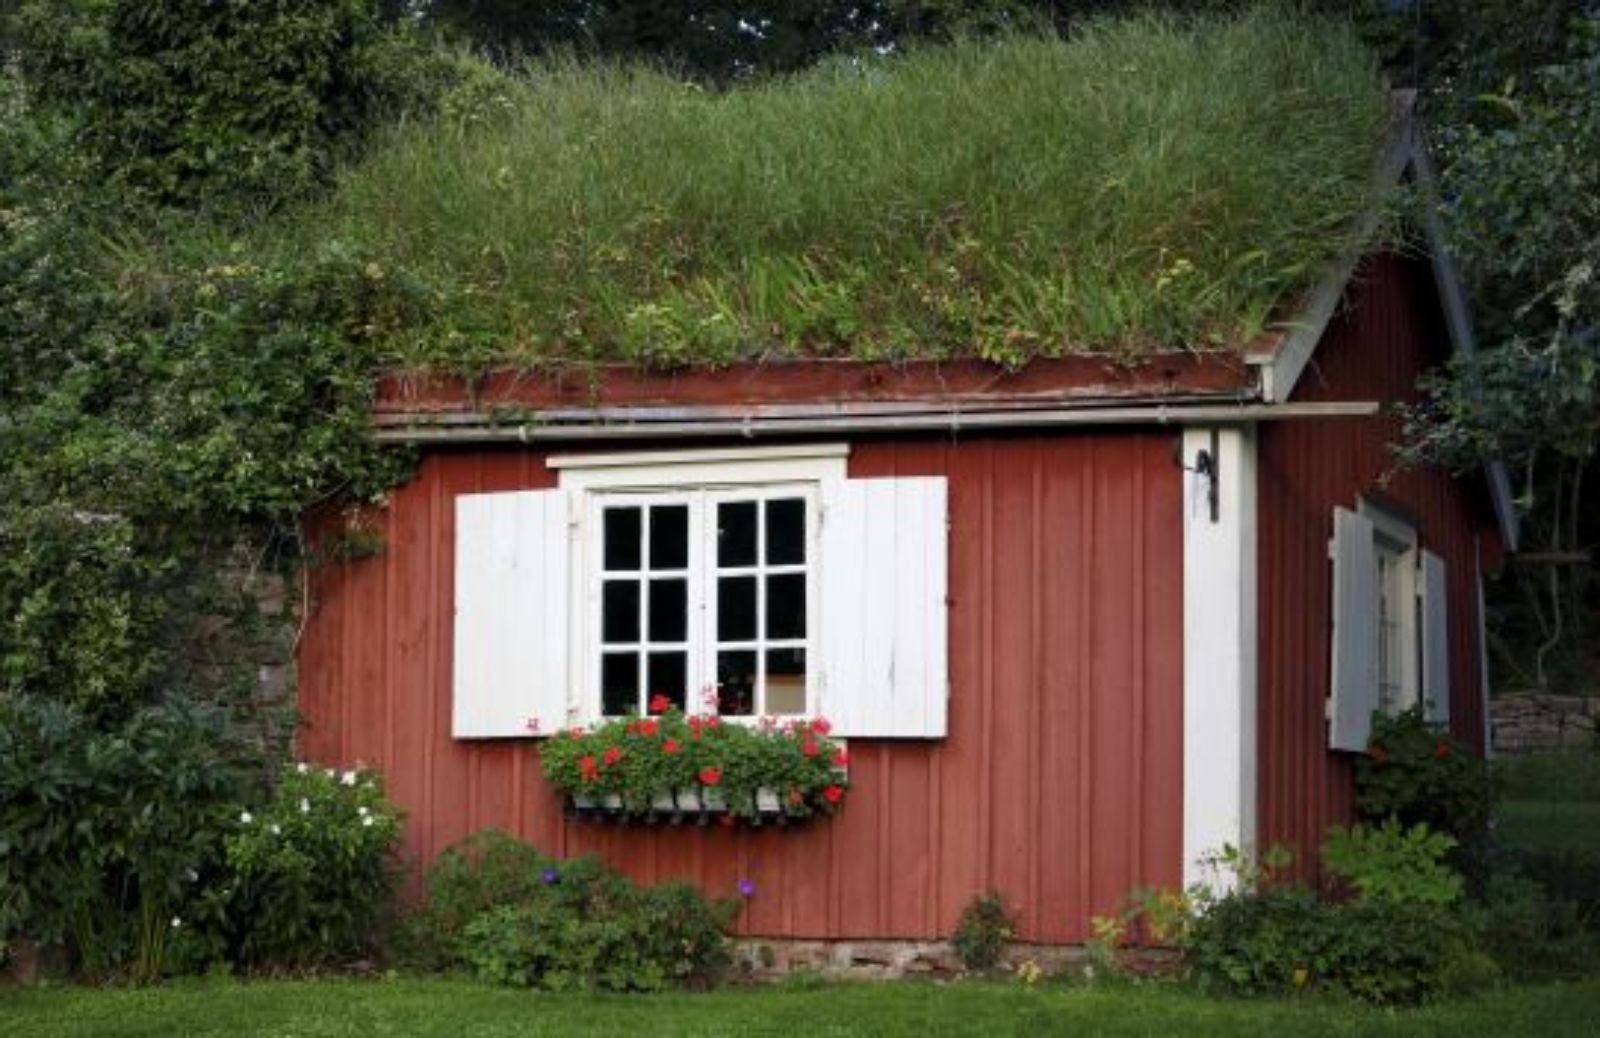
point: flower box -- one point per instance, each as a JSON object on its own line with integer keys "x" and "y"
{"x": 671, "y": 765}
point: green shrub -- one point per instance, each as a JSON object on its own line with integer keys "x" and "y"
{"x": 308, "y": 875}
{"x": 1287, "y": 939}
{"x": 1256, "y": 942}
{"x": 106, "y": 831}
{"x": 1393, "y": 863}
{"x": 1422, "y": 776}
{"x": 985, "y": 928}
{"x": 1531, "y": 934}
{"x": 509, "y": 915}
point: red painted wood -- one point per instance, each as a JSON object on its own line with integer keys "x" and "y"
{"x": 1390, "y": 331}
{"x": 1058, "y": 782}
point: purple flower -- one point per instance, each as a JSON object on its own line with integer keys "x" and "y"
{"x": 747, "y": 887}
{"x": 550, "y": 877}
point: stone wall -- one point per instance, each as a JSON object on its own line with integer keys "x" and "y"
{"x": 1538, "y": 722}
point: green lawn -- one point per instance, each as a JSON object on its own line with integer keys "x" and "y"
{"x": 458, "y": 1010}
{"x": 1571, "y": 827}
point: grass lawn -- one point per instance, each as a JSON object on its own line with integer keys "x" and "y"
{"x": 1571, "y": 827}
{"x": 459, "y": 1009}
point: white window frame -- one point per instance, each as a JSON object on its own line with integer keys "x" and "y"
{"x": 1396, "y": 538}
{"x": 704, "y": 478}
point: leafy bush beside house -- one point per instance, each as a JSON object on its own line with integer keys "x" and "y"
{"x": 501, "y": 911}
{"x": 147, "y": 850}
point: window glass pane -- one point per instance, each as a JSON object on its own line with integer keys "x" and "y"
{"x": 736, "y": 609}
{"x": 736, "y": 533}
{"x": 623, "y": 531}
{"x": 736, "y": 681}
{"x": 619, "y": 611}
{"x": 668, "y": 676}
{"x": 669, "y": 537}
{"x": 669, "y": 610}
{"x": 786, "y": 681}
{"x": 619, "y": 683}
{"x": 786, "y": 531}
{"x": 786, "y": 606}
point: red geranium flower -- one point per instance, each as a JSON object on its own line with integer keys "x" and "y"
{"x": 670, "y": 746}
{"x": 587, "y": 768}
{"x": 649, "y": 728}
{"x": 841, "y": 758}
{"x": 633, "y": 727}
{"x": 710, "y": 776}
{"x": 833, "y": 794}
{"x": 809, "y": 748}
{"x": 1442, "y": 750}
{"x": 1377, "y": 753}
{"x": 660, "y": 704}
{"x": 821, "y": 726}
{"x": 713, "y": 722}
{"x": 613, "y": 754}
{"x": 575, "y": 733}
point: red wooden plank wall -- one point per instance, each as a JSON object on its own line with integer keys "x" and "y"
{"x": 1390, "y": 330}
{"x": 1060, "y": 781}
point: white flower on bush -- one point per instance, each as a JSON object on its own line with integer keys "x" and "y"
{"x": 245, "y": 817}
{"x": 348, "y": 778}
{"x": 302, "y": 767}
{"x": 176, "y": 922}
{"x": 275, "y": 830}
{"x": 363, "y": 811}
{"x": 190, "y": 875}
{"x": 366, "y": 819}
{"x": 305, "y": 806}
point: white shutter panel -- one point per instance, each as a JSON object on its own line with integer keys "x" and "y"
{"x": 883, "y": 578}
{"x": 511, "y": 614}
{"x": 1435, "y": 640}
{"x": 1355, "y": 632}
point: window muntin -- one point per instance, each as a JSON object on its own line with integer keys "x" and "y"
{"x": 644, "y": 622}
{"x": 1393, "y": 650}
{"x": 760, "y": 615}
{"x": 706, "y": 596}
{"x": 1399, "y": 617}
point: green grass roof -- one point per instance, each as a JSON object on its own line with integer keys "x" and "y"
{"x": 1150, "y": 183}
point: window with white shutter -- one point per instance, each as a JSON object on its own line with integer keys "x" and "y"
{"x": 511, "y": 603}
{"x": 1356, "y": 626}
{"x": 1435, "y": 640}
{"x": 885, "y": 615}
{"x": 1390, "y": 625}
{"x": 746, "y": 583}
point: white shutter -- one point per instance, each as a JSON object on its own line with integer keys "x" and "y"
{"x": 883, "y": 578}
{"x": 1355, "y": 632}
{"x": 511, "y": 614}
{"x": 1435, "y": 640}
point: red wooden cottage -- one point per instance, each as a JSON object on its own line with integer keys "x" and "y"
{"x": 1080, "y": 623}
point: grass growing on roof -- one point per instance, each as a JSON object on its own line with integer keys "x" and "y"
{"x": 1151, "y": 182}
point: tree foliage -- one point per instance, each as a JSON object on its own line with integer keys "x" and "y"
{"x": 1515, "y": 102}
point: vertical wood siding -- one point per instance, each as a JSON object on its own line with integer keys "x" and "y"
{"x": 1059, "y": 783}
{"x": 1390, "y": 331}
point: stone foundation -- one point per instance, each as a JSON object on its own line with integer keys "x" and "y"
{"x": 1536, "y": 722}
{"x": 763, "y": 959}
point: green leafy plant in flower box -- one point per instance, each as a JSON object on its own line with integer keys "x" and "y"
{"x": 668, "y": 759}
